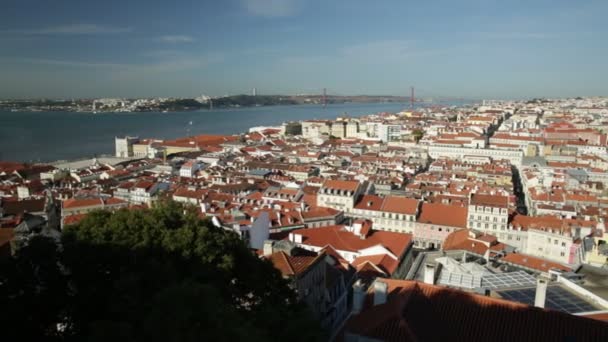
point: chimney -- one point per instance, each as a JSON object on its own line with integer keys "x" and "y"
{"x": 429, "y": 274}
{"x": 380, "y": 292}
{"x": 541, "y": 292}
{"x": 358, "y": 296}
{"x": 268, "y": 247}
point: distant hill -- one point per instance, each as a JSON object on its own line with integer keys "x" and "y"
{"x": 273, "y": 100}
{"x": 185, "y": 104}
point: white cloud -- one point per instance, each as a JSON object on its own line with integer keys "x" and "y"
{"x": 74, "y": 29}
{"x": 271, "y": 8}
{"x": 516, "y": 35}
{"x": 176, "y": 39}
{"x": 66, "y": 63}
{"x": 164, "y": 65}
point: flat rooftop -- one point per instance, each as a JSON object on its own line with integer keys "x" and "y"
{"x": 558, "y": 298}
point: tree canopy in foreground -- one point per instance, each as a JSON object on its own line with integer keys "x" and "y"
{"x": 159, "y": 274}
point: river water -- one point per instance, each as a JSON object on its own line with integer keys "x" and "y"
{"x": 49, "y": 136}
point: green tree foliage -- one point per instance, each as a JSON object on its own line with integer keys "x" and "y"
{"x": 148, "y": 275}
{"x": 417, "y": 134}
{"x": 248, "y": 100}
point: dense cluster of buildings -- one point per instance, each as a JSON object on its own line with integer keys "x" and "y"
{"x": 500, "y": 206}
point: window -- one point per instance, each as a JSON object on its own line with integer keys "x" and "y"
{"x": 562, "y": 254}
{"x": 555, "y": 242}
{"x": 563, "y": 244}
{"x": 439, "y": 229}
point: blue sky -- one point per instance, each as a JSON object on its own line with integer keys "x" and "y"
{"x": 143, "y": 48}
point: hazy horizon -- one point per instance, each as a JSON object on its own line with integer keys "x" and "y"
{"x": 470, "y": 49}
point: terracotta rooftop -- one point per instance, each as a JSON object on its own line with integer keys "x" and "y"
{"x": 387, "y": 264}
{"x": 85, "y": 202}
{"x": 420, "y": 312}
{"x": 369, "y": 202}
{"x": 291, "y": 266}
{"x": 341, "y": 185}
{"x": 490, "y": 200}
{"x": 401, "y": 205}
{"x": 534, "y": 262}
{"x": 601, "y": 316}
{"x": 341, "y": 239}
{"x": 11, "y": 207}
{"x": 443, "y": 215}
{"x": 319, "y": 212}
{"x": 461, "y": 240}
{"x": 90, "y": 202}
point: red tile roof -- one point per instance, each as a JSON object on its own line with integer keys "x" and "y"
{"x": 384, "y": 262}
{"x": 401, "y": 205}
{"x": 490, "y": 200}
{"x": 601, "y": 316}
{"x": 369, "y": 202}
{"x": 293, "y": 265}
{"x": 461, "y": 240}
{"x": 91, "y": 202}
{"x": 443, "y": 215}
{"x": 341, "y": 239}
{"x": 73, "y": 219}
{"x": 144, "y": 185}
{"x": 78, "y": 203}
{"x": 341, "y": 185}
{"x": 420, "y": 312}
{"x": 13, "y": 207}
{"x": 319, "y": 212}
{"x": 548, "y": 222}
{"x": 534, "y": 262}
